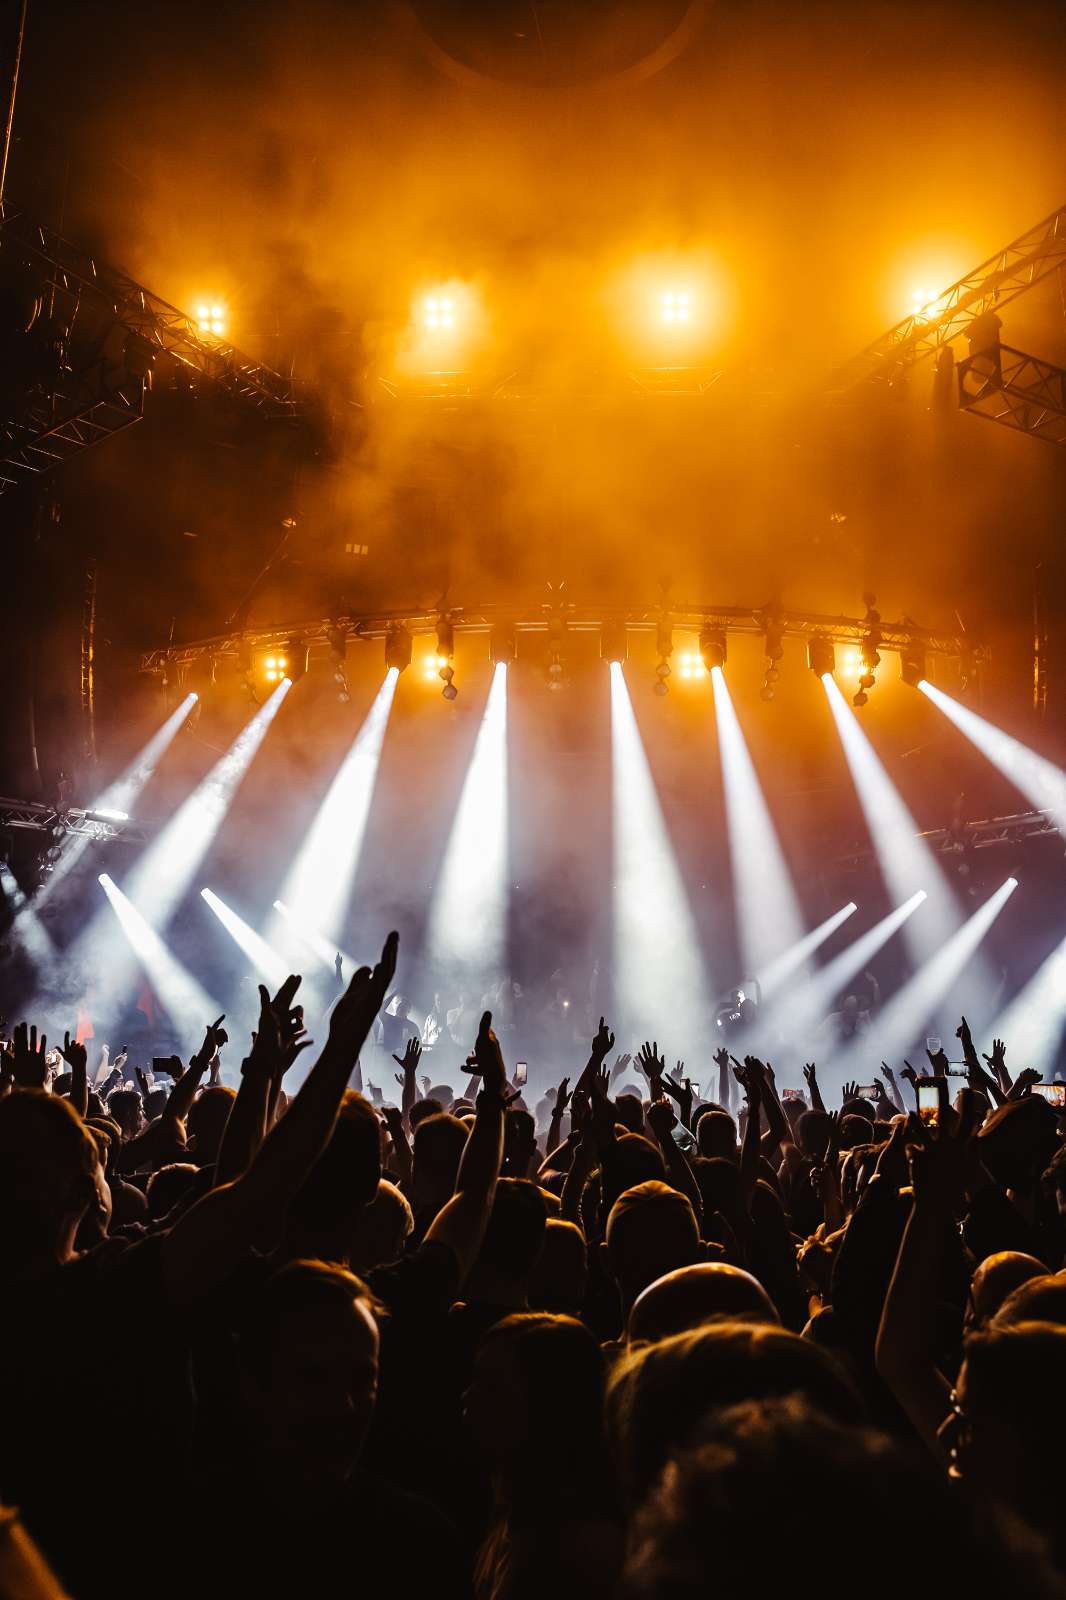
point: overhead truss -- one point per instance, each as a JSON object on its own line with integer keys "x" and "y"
{"x": 962, "y": 838}
{"x": 1017, "y": 390}
{"x": 1034, "y": 255}
{"x": 898, "y": 636}
{"x": 99, "y": 334}
{"x": 36, "y": 816}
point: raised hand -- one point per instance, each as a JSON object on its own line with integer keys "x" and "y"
{"x": 562, "y": 1098}
{"x": 938, "y": 1060}
{"x": 998, "y": 1059}
{"x": 215, "y": 1036}
{"x": 279, "y": 1036}
{"x": 943, "y": 1168}
{"x": 489, "y": 1059}
{"x": 721, "y": 1059}
{"x": 410, "y": 1059}
{"x": 889, "y": 1074}
{"x": 620, "y": 1064}
{"x": 360, "y": 1003}
{"x": 603, "y": 1043}
{"x": 651, "y": 1064}
{"x": 1023, "y": 1083}
{"x": 28, "y": 1065}
{"x": 810, "y": 1073}
{"x": 849, "y": 1092}
{"x": 74, "y": 1054}
{"x": 908, "y": 1072}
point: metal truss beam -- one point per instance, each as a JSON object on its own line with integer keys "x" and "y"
{"x": 35, "y": 816}
{"x": 91, "y": 395}
{"x": 962, "y": 838}
{"x": 1017, "y": 390}
{"x": 897, "y": 636}
{"x": 454, "y": 391}
{"x": 1002, "y": 278}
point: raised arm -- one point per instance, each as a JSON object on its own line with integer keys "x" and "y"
{"x": 408, "y": 1079}
{"x": 202, "y": 1249}
{"x": 462, "y": 1222}
{"x": 77, "y": 1058}
{"x": 679, "y": 1175}
{"x": 907, "y": 1340}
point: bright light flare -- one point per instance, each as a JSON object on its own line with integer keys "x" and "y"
{"x": 767, "y": 910}
{"x": 1041, "y": 782}
{"x": 926, "y": 304}
{"x": 674, "y": 305}
{"x": 1032, "y": 1025}
{"x": 211, "y": 317}
{"x": 265, "y": 961}
{"x": 438, "y": 312}
{"x": 120, "y": 797}
{"x": 902, "y": 1021}
{"x": 169, "y": 865}
{"x": 467, "y": 924}
{"x": 318, "y": 884}
{"x": 187, "y": 1003}
{"x": 690, "y": 665}
{"x": 660, "y": 977}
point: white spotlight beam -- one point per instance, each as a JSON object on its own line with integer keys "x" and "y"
{"x": 907, "y": 863}
{"x": 768, "y": 913}
{"x": 901, "y": 1021}
{"x": 122, "y": 795}
{"x": 26, "y": 926}
{"x": 189, "y": 1005}
{"x": 1042, "y": 783}
{"x": 1032, "y": 1025}
{"x": 167, "y": 868}
{"x": 467, "y": 925}
{"x": 319, "y": 882}
{"x": 263, "y": 958}
{"x": 325, "y": 949}
{"x": 807, "y": 1007}
{"x": 774, "y": 977}
{"x": 659, "y": 973}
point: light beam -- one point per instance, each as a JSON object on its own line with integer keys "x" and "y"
{"x": 1041, "y": 782}
{"x": 659, "y": 974}
{"x": 318, "y": 884}
{"x": 902, "y": 1019}
{"x": 188, "y": 1005}
{"x": 120, "y": 796}
{"x": 1032, "y": 1025}
{"x": 467, "y": 924}
{"x": 266, "y": 962}
{"x": 768, "y": 913}
{"x": 797, "y": 957}
{"x": 907, "y": 863}
{"x": 164, "y": 872}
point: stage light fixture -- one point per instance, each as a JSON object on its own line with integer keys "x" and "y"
{"x": 614, "y": 642}
{"x": 211, "y": 318}
{"x": 713, "y": 648}
{"x": 337, "y": 639}
{"x": 503, "y": 644}
{"x": 446, "y": 657}
{"x": 293, "y": 664}
{"x": 398, "y": 647}
{"x": 674, "y": 305}
{"x": 821, "y": 656}
{"x": 912, "y": 666}
{"x": 438, "y": 313}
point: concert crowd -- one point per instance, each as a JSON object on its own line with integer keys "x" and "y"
{"x": 642, "y": 1335}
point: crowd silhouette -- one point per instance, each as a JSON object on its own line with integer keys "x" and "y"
{"x": 268, "y": 1342}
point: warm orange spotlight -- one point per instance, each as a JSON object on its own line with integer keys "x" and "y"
{"x": 925, "y": 304}
{"x": 674, "y": 305}
{"x": 211, "y": 318}
{"x": 850, "y": 663}
{"x": 690, "y": 665}
{"x": 438, "y": 313}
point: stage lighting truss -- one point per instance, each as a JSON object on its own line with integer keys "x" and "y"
{"x": 774, "y": 648}
{"x": 337, "y": 640}
{"x": 869, "y": 655}
{"x": 962, "y": 839}
{"x": 823, "y": 636}
{"x": 664, "y": 649}
{"x": 78, "y": 822}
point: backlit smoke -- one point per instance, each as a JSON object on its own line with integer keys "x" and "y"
{"x": 187, "y": 1003}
